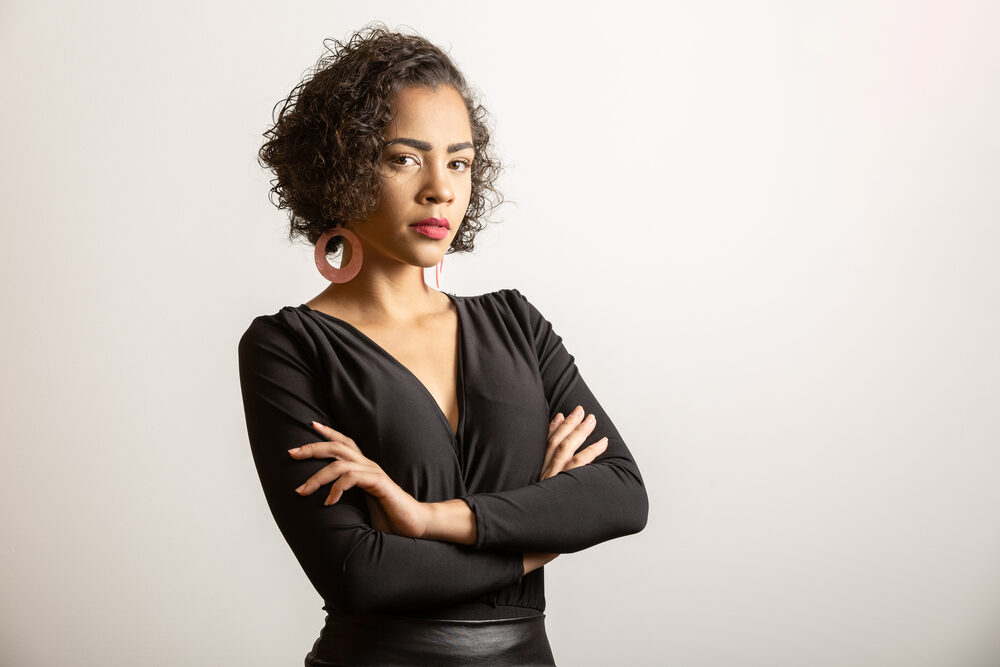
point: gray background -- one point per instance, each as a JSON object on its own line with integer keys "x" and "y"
{"x": 767, "y": 231}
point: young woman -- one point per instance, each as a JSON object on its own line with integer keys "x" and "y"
{"x": 424, "y": 454}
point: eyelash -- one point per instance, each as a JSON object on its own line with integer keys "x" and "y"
{"x": 394, "y": 158}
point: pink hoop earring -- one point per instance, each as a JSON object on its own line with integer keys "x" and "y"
{"x": 344, "y": 273}
{"x": 437, "y": 273}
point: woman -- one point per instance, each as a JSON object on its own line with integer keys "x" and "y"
{"x": 424, "y": 454}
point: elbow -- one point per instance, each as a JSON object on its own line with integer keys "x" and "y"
{"x": 352, "y": 585}
{"x": 350, "y": 596}
{"x": 364, "y": 583}
{"x": 632, "y": 503}
{"x": 638, "y": 513}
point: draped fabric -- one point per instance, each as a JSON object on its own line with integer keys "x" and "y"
{"x": 514, "y": 375}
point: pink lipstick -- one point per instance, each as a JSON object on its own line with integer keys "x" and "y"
{"x": 435, "y": 228}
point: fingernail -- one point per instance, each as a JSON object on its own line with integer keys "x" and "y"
{"x": 591, "y": 419}
{"x": 603, "y": 443}
{"x": 294, "y": 451}
{"x": 316, "y": 423}
{"x": 557, "y": 418}
{"x": 577, "y": 411}
{"x": 299, "y": 490}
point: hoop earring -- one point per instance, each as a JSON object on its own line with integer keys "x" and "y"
{"x": 344, "y": 273}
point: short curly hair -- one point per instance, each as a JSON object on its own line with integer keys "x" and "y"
{"x": 326, "y": 144}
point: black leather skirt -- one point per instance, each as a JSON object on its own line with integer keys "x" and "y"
{"x": 379, "y": 639}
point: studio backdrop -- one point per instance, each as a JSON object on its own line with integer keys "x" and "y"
{"x": 767, "y": 231}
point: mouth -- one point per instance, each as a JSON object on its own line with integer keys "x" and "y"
{"x": 433, "y": 222}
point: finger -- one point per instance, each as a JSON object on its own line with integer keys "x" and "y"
{"x": 351, "y": 478}
{"x": 574, "y": 425}
{"x": 556, "y": 436}
{"x": 558, "y": 419}
{"x": 587, "y": 455}
{"x": 573, "y": 421}
{"x": 324, "y": 476}
{"x": 553, "y": 425}
{"x": 326, "y": 449}
{"x": 313, "y": 450}
{"x": 334, "y": 434}
{"x": 567, "y": 448}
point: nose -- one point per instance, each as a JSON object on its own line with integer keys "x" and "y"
{"x": 437, "y": 188}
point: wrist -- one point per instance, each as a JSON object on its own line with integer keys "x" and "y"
{"x": 450, "y": 521}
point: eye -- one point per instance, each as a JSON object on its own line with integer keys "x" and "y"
{"x": 400, "y": 160}
{"x": 462, "y": 165}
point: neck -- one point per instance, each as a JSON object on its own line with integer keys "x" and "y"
{"x": 385, "y": 292}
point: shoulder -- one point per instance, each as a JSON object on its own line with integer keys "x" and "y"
{"x": 511, "y": 309}
{"x": 269, "y": 325}
{"x": 510, "y": 299}
{"x": 286, "y": 329}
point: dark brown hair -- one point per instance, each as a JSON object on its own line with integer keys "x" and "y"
{"x": 326, "y": 143}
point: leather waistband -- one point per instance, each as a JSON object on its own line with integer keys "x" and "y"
{"x": 380, "y": 639}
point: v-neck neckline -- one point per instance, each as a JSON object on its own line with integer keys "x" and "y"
{"x": 460, "y": 373}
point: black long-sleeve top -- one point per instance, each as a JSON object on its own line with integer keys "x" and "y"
{"x": 514, "y": 375}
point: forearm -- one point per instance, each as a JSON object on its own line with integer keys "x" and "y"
{"x": 354, "y": 567}
{"x": 384, "y": 573}
{"x": 454, "y": 521}
{"x": 574, "y": 510}
{"x": 451, "y": 521}
{"x": 563, "y": 514}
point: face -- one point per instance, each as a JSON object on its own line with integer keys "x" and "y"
{"x": 426, "y": 173}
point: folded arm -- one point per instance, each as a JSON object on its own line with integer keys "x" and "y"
{"x": 352, "y": 566}
{"x": 576, "y": 508}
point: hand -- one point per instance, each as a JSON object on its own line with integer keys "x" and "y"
{"x": 392, "y": 509}
{"x": 565, "y": 436}
{"x": 379, "y": 520}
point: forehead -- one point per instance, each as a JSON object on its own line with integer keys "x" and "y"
{"x": 429, "y": 114}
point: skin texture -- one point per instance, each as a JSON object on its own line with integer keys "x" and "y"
{"x": 418, "y": 183}
{"x": 389, "y": 295}
{"x": 389, "y": 291}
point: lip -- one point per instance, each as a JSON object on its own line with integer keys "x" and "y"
{"x": 433, "y": 222}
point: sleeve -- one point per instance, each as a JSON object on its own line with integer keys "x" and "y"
{"x": 354, "y": 567}
{"x": 576, "y": 508}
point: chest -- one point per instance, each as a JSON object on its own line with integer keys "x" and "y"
{"x": 455, "y": 406}
{"x": 431, "y": 354}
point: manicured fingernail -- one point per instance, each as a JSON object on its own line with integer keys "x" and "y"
{"x": 315, "y": 423}
{"x": 591, "y": 419}
{"x": 294, "y": 451}
{"x": 299, "y": 490}
{"x": 577, "y": 412}
{"x": 602, "y": 443}
{"x": 558, "y": 418}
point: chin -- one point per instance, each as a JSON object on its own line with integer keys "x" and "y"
{"x": 424, "y": 259}
{"x": 433, "y": 263}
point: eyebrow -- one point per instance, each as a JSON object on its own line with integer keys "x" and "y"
{"x": 424, "y": 146}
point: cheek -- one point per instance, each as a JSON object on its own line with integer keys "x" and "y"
{"x": 391, "y": 195}
{"x": 466, "y": 191}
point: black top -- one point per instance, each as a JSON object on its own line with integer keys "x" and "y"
{"x": 514, "y": 375}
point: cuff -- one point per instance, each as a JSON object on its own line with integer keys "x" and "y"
{"x": 481, "y": 529}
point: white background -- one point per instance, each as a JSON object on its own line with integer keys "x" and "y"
{"x": 768, "y": 232}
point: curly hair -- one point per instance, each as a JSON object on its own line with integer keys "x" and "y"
{"x": 326, "y": 142}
